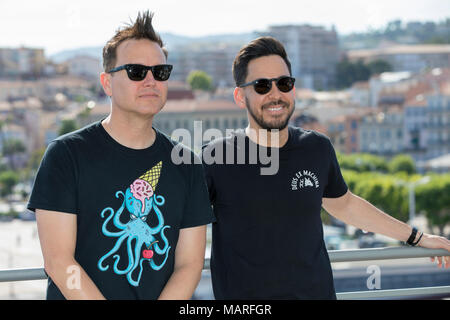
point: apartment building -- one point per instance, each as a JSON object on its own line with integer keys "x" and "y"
{"x": 182, "y": 113}
{"x": 21, "y": 62}
{"x": 382, "y": 132}
{"x": 215, "y": 60}
{"x": 415, "y": 138}
{"x": 213, "y": 114}
{"x": 45, "y": 89}
{"x": 438, "y": 127}
{"x": 85, "y": 66}
{"x": 313, "y": 52}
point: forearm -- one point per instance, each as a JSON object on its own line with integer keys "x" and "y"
{"x": 71, "y": 279}
{"x": 363, "y": 215}
{"x": 182, "y": 283}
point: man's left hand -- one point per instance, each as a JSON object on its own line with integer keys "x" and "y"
{"x": 436, "y": 242}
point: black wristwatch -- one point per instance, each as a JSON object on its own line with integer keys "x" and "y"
{"x": 411, "y": 238}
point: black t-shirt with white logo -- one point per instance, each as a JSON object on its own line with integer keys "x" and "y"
{"x": 268, "y": 236}
{"x": 130, "y": 205}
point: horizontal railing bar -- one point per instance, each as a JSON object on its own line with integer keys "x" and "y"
{"x": 384, "y": 253}
{"x": 405, "y": 292}
{"x": 335, "y": 256}
{"x": 22, "y": 274}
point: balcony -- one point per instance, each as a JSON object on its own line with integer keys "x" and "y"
{"x": 336, "y": 256}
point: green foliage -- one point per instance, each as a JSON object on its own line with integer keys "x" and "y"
{"x": 379, "y": 66}
{"x": 8, "y": 179}
{"x": 348, "y": 73}
{"x": 200, "y": 80}
{"x": 389, "y": 191}
{"x": 381, "y": 190}
{"x": 402, "y": 162}
{"x": 36, "y": 158}
{"x": 434, "y": 199}
{"x": 13, "y": 146}
{"x": 362, "y": 162}
{"x": 399, "y": 31}
{"x": 67, "y": 126}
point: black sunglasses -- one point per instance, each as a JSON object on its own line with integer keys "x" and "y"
{"x": 263, "y": 86}
{"x": 138, "y": 72}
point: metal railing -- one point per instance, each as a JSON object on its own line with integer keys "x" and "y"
{"x": 335, "y": 256}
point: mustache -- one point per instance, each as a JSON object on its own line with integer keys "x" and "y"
{"x": 274, "y": 103}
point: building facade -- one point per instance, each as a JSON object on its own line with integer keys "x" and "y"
{"x": 313, "y": 52}
{"x": 382, "y": 132}
{"x": 438, "y": 127}
{"x": 21, "y": 62}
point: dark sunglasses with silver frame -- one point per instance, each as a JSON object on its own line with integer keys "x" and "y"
{"x": 138, "y": 72}
{"x": 263, "y": 86}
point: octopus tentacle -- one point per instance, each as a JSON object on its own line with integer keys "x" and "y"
{"x": 156, "y": 267}
{"x": 106, "y": 232}
{"x": 166, "y": 242}
{"x": 154, "y": 202}
{"x": 130, "y": 258}
{"x": 131, "y": 281}
{"x": 117, "y": 222}
{"x": 159, "y": 200}
{"x": 113, "y": 250}
{"x": 137, "y": 252}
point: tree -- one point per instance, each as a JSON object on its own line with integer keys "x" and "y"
{"x": 402, "y": 163}
{"x": 67, "y": 126}
{"x": 8, "y": 179}
{"x": 393, "y": 29}
{"x": 200, "y": 80}
{"x": 348, "y": 73}
{"x": 12, "y": 148}
{"x": 362, "y": 162}
{"x": 36, "y": 158}
{"x": 434, "y": 199}
{"x": 379, "y": 66}
{"x": 383, "y": 192}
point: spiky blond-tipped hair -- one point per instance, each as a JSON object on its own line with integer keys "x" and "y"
{"x": 141, "y": 28}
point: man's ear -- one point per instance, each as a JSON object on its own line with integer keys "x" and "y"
{"x": 105, "y": 80}
{"x": 239, "y": 97}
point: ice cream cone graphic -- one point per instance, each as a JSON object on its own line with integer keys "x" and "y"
{"x": 152, "y": 175}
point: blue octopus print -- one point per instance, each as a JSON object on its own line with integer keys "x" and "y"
{"x": 140, "y": 200}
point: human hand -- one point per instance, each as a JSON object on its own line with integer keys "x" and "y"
{"x": 436, "y": 242}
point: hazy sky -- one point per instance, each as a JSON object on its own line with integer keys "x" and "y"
{"x": 57, "y": 25}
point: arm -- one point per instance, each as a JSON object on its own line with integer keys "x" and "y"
{"x": 358, "y": 212}
{"x": 189, "y": 259}
{"x": 57, "y": 234}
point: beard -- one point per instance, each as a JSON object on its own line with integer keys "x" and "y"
{"x": 274, "y": 124}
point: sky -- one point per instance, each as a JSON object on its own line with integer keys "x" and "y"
{"x": 57, "y": 25}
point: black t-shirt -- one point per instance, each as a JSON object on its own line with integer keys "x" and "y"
{"x": 130, "y": 205}
{"x": 267, "y": 241}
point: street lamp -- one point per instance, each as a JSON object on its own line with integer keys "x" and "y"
{"x": 412, "y": 196}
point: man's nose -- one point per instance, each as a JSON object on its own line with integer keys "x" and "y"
{"x": 274, "y": 91}
{"x": 149, "y": 80}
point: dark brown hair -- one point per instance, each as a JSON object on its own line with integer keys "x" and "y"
{"x": 260, "y": 47}
{"x": 140, "y": 29}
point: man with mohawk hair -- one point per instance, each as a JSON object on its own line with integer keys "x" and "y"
{"x": 117, "y": 219}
